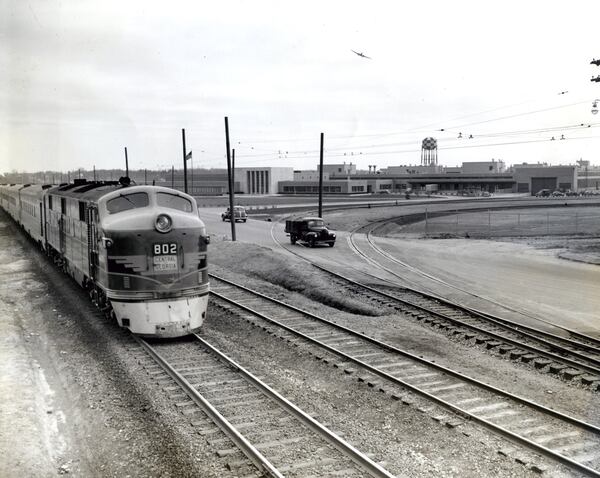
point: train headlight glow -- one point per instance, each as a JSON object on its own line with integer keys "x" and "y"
{"x": 163, "y": 223}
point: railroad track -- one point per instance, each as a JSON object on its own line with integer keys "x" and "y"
{"x": 566, "y": 439}
{"x": 273, "y": 434}
{"x": 575, "y": 356}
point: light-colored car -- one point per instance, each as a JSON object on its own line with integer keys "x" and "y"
{"x": 239, "y": 214}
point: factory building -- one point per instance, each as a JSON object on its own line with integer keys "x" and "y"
{"x": 482, "y": 176}
{"x": 531, "y": 179}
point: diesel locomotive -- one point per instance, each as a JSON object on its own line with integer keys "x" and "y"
{"x": 139, "y": 251}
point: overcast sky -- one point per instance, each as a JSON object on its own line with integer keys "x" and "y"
{"x": 82, "y": 79}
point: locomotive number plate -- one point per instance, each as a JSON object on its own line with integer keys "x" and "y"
{"x": 165, "y": 257}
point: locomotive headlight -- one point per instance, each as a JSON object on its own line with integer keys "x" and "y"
{"x": 163, "y": 223}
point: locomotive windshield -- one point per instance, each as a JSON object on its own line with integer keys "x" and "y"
{"x": 127, "y": 201}
{"x": 174, "y": 202}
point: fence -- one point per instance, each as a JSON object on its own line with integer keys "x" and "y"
{"x": 491, "y": 223}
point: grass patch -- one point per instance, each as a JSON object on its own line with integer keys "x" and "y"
{"x": 287, "y": 272}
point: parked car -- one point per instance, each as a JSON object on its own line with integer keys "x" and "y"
{"x": 239, "y": 214}
{"x": 310, "y": 230}
{"x": 542, "y": 193}
{"x": 558, "y": 194}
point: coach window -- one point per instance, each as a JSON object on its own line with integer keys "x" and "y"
{"x": 50, "y": 202}
{"x": 125, "y": 202}
{"x": 63, "y": 205}
{"x": 174, "y": 202}
{"x": 81, "y": 211}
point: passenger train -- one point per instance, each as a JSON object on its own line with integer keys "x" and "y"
{"x": 139, "y": 251}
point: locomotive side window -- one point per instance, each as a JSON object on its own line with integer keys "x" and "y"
{"x": 174, "y": 202}
{"x": 127, "y": 201}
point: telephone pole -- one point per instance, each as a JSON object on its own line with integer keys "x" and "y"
{"x": 230, "y": 178}
{"x": 126, "y": 163}
{"x": 186, "y": 157}
{"x": 321, "y": 178}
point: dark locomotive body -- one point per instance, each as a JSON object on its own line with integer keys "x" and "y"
{"x": 140, "y": 251}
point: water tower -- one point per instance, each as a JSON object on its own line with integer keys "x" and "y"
{"x": 429, "y": 152}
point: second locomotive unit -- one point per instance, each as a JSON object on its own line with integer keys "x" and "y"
{"x": 140, "y": 251}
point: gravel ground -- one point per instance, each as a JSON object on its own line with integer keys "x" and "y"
{"x": 417, "y": 339}
{"x": 77, "y": 401}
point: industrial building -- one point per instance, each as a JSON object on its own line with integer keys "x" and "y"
{"x": 470, "y": 178}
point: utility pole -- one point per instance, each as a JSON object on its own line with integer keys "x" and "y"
{"x": 126, "y": 163}
{"x": 172, "y": 177}
{"x": 94, "y": 173}
{"x": 229, "y": 176}
{"x": 186, "y": 156}
{"x": 321, "y": 178}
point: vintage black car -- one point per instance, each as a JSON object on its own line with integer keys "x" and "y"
{"x": 239, "y": 214}
{"x": 310, "y": 230}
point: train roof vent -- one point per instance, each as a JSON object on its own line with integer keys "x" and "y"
{"x": 68, "y": 186}
{"x": 94, "y": 185}
{"x": 79, "y": 181}
{"x": 46, "y": 186}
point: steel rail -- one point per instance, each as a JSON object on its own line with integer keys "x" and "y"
{"x": 376, "y": 224}
{"x": 359, "y": 458}
{"x": 459, "y": 322}
{"x": 485, "y": 316}
{"x": 550, "y": 355}
{"x": 244, "y": 445}
{"x": 501, "y": 430}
